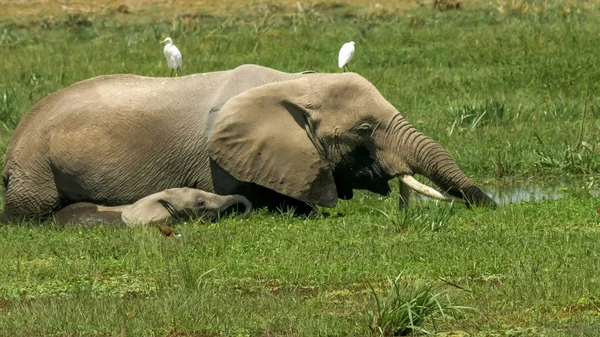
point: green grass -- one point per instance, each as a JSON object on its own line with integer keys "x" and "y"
{"x": 503, "y": 92}
{"x": 528, "y": 266}
{"x": 407, "y": 306}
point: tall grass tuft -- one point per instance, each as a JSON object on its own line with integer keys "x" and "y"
{"x": 472, "y": 116}
{"x": 433, "y": 220}
{"x": 407, "y": 306}
{"x": 580, "y": 158}
{"x": 9, "y": 112}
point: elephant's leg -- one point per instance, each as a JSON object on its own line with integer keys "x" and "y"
{"x": 89, "y": 214}
{"x": 28, "y": 195}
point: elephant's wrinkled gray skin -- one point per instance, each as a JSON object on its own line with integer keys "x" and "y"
{"x": 164, "y": 207}
{"x": 270, "y": 136}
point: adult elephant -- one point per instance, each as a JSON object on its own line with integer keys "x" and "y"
{"x": 273, "y": 137}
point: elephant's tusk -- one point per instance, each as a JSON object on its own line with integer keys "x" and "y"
{"x": 423, "y": 189}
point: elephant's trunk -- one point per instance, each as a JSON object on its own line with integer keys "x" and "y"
{"x": 229, "y": 201}
{"x": 435, "y": 163}
{"x": 424, "y": 156}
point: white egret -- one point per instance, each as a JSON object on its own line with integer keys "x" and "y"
{"x": 346, "y": 54}
{"x": 172, "y": 55}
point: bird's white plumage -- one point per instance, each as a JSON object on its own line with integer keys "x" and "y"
{"x": 172, "y": 54}
{"x": 346, "y": 54}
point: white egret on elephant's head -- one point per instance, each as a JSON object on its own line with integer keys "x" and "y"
{"x": 346, "y": 54}
{"x": 172, "y": 55}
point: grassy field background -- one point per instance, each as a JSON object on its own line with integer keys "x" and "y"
{"x": 510, "y": 88}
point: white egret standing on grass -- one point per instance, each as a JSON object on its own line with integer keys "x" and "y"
{"x": 172, "y": 55}
{"x": 346, "y": 54}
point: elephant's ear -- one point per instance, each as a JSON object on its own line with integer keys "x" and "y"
{"x": 264, "y": 136}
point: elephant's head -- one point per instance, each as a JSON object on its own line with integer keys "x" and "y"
{"x": 183, "y": 203}
{"x": 318, "y": 137}
{"x": 180, "y": 204}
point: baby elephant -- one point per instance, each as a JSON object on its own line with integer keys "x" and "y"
{"x": 167, "y": 206}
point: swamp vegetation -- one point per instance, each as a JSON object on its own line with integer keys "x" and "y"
{"x": 510, "y": 88}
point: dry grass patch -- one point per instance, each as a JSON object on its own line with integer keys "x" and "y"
{"x": 29, "y": 9}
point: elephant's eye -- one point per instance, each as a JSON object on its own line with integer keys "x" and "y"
{"x": 201, "y": 203}
{"x": 365, "y": 129}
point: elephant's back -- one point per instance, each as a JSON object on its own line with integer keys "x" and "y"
{"x": 117, "y": 138}
{"x": 89, "y": 214}
{"x": 103, "y": 97}
{"x": 116, "y": 154}
{"x": 128, "y": 97}
{"x": 123, "y": 91}
{"x": 246, "y": 77}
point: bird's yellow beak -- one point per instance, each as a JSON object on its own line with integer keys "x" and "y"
{"x": 163, "y": 41}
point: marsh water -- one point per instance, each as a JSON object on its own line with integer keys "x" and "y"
{"x": 515, "y": 192}
{"x": 528, "y": 191}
